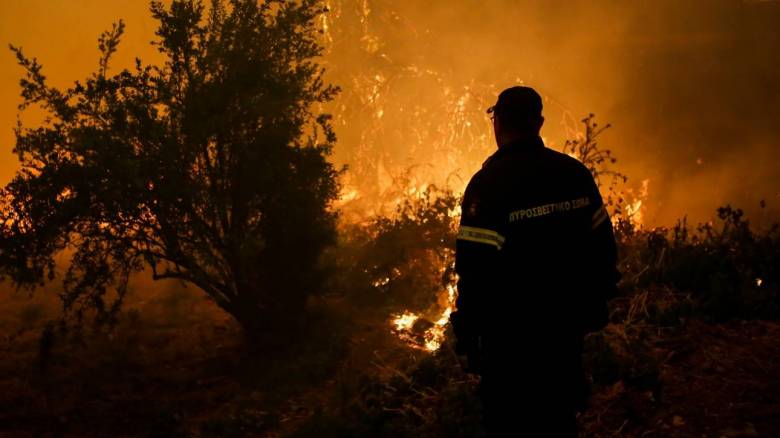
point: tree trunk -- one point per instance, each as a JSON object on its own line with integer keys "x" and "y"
{"x": 268, "y": 327}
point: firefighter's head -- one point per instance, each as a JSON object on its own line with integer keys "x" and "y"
{"x": 517, "y": 115}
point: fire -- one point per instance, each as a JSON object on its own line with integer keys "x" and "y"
{"x": 433, "y": 337}
{"x": 634, "y": 210}
{"x": 455, "y": 212}
{"x": 381, "y": 282}
{"x": 347, "y": 195}
{"x": 407, "y": 126}
{"x": 405, "y": 321}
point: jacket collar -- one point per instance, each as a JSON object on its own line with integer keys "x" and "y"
{"x": 526, "y": 144}
{"x": 520, "y": 146}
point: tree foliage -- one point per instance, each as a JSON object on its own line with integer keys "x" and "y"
{"x": 210, "y": 168}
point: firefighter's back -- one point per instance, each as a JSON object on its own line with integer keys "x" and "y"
{"x": 545, "y": 204}
{"x": 533, "y": 341}
{"x": 535, "y": 256}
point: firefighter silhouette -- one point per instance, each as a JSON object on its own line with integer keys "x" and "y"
{"x": 536, "y": 260}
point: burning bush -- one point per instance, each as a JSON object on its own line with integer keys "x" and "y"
{"x": 402, "y": 264}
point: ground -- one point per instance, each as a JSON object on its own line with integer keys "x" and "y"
{"x": 718, "y": 380}
{"x": 192, "y": 376}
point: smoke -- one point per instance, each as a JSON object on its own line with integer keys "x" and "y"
{"x": 691, "y": 88}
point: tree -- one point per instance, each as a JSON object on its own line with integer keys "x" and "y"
{"x": 211, "y": 168}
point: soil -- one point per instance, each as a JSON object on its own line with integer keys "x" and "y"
{"x": 193, "y": 377}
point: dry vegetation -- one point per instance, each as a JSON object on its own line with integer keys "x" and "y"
{"x": 692, "y": 349}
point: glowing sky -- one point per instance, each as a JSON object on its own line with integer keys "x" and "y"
{"x": 692, "y": 88}
{"x": 62, "y": 34}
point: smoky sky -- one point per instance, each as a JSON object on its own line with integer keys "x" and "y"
{"x": 692, "y": 88}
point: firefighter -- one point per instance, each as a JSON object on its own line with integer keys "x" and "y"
{"x": 536, "y": 261}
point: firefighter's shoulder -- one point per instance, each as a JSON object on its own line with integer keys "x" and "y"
{"x": 482, "y": 182}
{"x": 480, "y": 196}
{"x": 475, "y": 187}
{"x": 491, "y": 159}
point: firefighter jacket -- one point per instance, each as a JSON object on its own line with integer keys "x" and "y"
{"x": 535, "y": 251}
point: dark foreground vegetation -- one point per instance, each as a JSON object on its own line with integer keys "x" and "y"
{"x": 692, "y": 349}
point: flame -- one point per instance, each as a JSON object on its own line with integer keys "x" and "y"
{"x": 325, "y": 23}
{"x": 406, "y": 140}
{"x": 634, "y": 210}
{"x": 432, "y": 338}
{"x": 455, "y": 212}
{"x": 347, "y": 194}
{"x": 381, "y": 282}
{"x": 405, "y": 321}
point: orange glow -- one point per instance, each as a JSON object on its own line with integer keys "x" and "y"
{"x": 636, "y": 208}
{"x": 412, "y": 110}
{"x": 405, "y": 321}
{"x": 433, "y": 337}
{"x": 63, "y": 37}
{"x": 401, "y": 52}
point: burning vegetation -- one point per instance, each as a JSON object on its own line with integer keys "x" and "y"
{"x": 425, "y": 329}
{"x": 357, "y": 337}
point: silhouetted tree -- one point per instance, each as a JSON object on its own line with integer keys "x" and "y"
{"x": 210, "y": 168}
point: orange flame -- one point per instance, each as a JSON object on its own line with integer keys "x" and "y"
{"x": 433, "y": 337}
{"x": 635, "y": 209}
